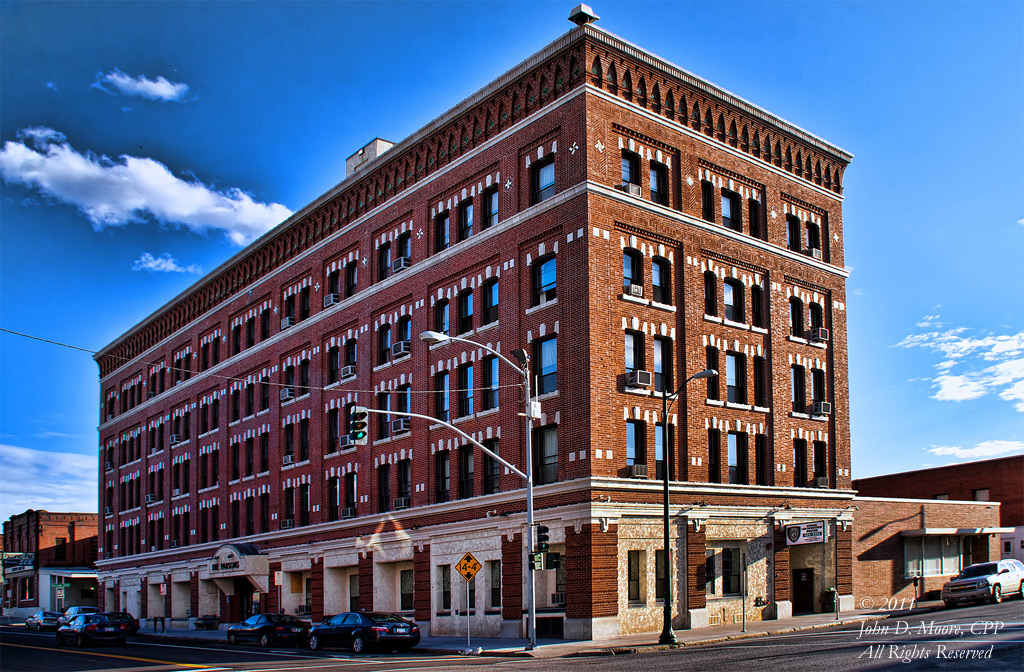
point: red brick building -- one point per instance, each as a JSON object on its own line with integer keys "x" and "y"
{"x": 49, "y": 561}
{"x": 625, "y": 222}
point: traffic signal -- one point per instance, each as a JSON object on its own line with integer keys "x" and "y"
{"x": 358, "y": 425}
{"x": 542, "y": 539}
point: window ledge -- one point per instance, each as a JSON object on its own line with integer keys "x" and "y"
{"x": 332, "y": 385}
{"x": 286, "y": 467}
{"x": 759, "y": 330}
{"x": 712, "y": 318}
{"x": 248, "y": 478}
{"x": 175, "y": 498}
{"x": 401, "y": 357}
{"x": 466, "y": 334}
{"x": 819, "y": 344}
{"x": 262, "y": 412}
{"x": 803, "y": 416}
{"x": 263, "y": 473}
{"x": 288, "y": 402}
{"x": 741, "y": 407}
{"x": 156, "y": 452}
{"x": 487, "y": 327}
{"x": 634, "y": 299}
{"x": 463, "y": 418}
{"x": 382, "y": 441}
{"x": 208, "y": 489}
{"x": 539, "y": 306}
{"x": 233, "y": 423}
{"x": 347, "y": 378}
{"x": 489, "y": 411}
{"x": 637, "y": 605}
{"x": 637, "y": 391}
{"x": 797, "y": 339}
{"x": 762, "y": 409}
{"x": 381, "y": 367}
{"x": 207, "y": 433}
{"x": 736, "y": 325}
{"x": 547, "y": 395}
{"x": 819, "y": 418}
{"x": 714, "y": 402}
{"x": 663, "y": 306}
{"x": 303, "y": 396}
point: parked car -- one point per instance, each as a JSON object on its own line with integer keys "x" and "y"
{"x": 76, "y": 611}
{"x": 88, "y": 628}
{"x": 269, "y": 629}
{"x": 361, "y": 631}
{"x": 124, "y": 617}
{"x": 985, "y": 581}
{"x": 43, "y": 620}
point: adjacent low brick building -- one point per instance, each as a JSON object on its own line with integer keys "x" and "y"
{"x": 628, "y": 225}
{"x": 49, "y": 561}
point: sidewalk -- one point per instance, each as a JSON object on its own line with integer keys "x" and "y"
{"x": 557, "y": 648}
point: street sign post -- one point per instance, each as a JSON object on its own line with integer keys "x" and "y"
{"x": 468, "y": 567}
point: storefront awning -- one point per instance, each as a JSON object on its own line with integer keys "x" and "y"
{"x": 70, "y": 573}
{"x": 961, "y": 531}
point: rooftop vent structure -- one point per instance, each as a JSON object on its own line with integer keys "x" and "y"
{"x": 365, "y": 155}
{"x": 582, "y": 15}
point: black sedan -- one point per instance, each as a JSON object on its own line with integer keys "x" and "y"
{"x": 129, "y": 621}
{"x": 365, "y": 630}
{"x": 43, "y": 620}
{"x": 90, "y": 628}
{"x": 269, "y": 629}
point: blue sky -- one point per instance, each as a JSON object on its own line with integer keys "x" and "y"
{"x": 143, "y": 142}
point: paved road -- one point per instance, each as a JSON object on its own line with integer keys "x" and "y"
{"x": 22, "y": 651}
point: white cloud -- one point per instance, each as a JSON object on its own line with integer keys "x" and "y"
{"x": 165, "y": 263}
{"x": 981, "y": 450}
{"x": 52, "y": 86}
{"x": 153, "y": 89}
{"x": 116, "y": 192}
{"x": 36, "y": 479}
{"x": 972, "y": 366}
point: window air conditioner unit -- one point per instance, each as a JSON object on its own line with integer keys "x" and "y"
{"x": 345, "y": 441}
{"x": 150, "y": 499}
{"x": 288, "y": 459}
{"x": 287, "y": 322}
{"x": 819, "y": 334}
{"x": 402, "y": 502}
{"x": 287, "y": 523}
{"x": 287, "y": 393}
{"x": 635, "y": 290}
{"x": 175, "y": 438}
{"x": 175, "y": 492}
{"x": 175, "y": 543}
{"x": 349, "y": 512}
{"x": 331, "y": 299}
{"x": 400, "y": 264}
{"x": 638, "y": 471}
{"x": 821, "y": 482}
{"x": 639, "y": 379}
{"x": 631, "y": 189}
{"x": 821, "y": 408}
{"x": 108, "y": 466}
{"x": 108, "y": 510}
{"x": 400, "y": 348}
{"x": 558, "y": 599}
{"x": 400, "y": 425}
{"x": 348, "y": 371}
{"x": 815, "y": 252}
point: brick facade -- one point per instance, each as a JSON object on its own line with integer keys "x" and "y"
{"x": 242, "y": 345}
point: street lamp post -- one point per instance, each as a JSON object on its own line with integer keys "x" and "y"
{"x": 667, "y": 635}
{"x": 523, "y": 369}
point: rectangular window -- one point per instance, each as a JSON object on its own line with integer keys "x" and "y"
{"x": 383, "y": 420}
{"x": 659, "y": 448}
{"x": 546, "y": 358}
{"x": 630, "y": 168}
{"x": 659, "y": 184}
{"x": 304, "y": 304}
{"x": 793, "y": 233}
{"x": 546, "y": 462}
{"x": 351, "y": 278}
{"x": 634, "y": 342}
{"x": 265, "y": 324}
{"x": 731, "y": 211}
{"x": 490, "y": 205}
{"x": 817, "y": 385}
{"x": 754, "y": 215}
{"x": 442, "y": 476}
{"x": 465, "y": 390}
{"x": 736, "y": 377}
{"x": 659, "y": 574}
{"x": 737, "y": 458}
{"x": 760, "y": 394}
{"x": 820, "y": 460}
{"x": 303, "y": 439}
{"x": 492, "y": 468}
{"x": 544, "y": 281}
{"x": 707, "y": 201}
{"x": 405, "y": 479}
{"x": 542, "y": 180}
{"x": 711, "y": 356}
{"x": 731, "y": 571}
{"x": 350, "y": 491}
{"x": 444, "y": 576}
{"x": 441, "y": 396}
{"x": 634, "y": 583}
{"x": 761, "y": 459}
{"x": 489, "y": 397}
{"x": 442, "y": 231}
{"x": 490, "y": 313}
{"x": 384, "y": 261}
{"x": 465, "y": 472}
{"x": 304, "y": 504}
{"x": 264, "y": 452}
{"x": 333, "y": 498}
{"x": 384, "y": 488}
{"x": 714, "y": 456}
{"x": 494, "y": 580}
{"x": 405, "y": 582}
{"x": 799, "y": 392}
{"x": 466, "y": 220}
{"x": 799, "y": 462}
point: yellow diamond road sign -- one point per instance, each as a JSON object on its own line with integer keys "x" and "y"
{"x": 468, "y": 566}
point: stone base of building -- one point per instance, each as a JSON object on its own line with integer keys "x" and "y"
{"x": 783, "y": 609}
{"x": 510, "y": 629}
{"x": 592, "y": 628}
{"x": 698, "y": 618}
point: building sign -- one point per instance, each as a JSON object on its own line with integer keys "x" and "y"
{"x": 806, "y": 533}
{"x": 18, "y": 562}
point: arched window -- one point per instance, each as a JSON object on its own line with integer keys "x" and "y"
{"x": 632, "y": 270}
{"x": 710, "y": 293}
{"x": 796, "y": 317}
{"x": 661, "y": 281}
{"x": 441, "y": 317}
{"x": 733, "y": 300}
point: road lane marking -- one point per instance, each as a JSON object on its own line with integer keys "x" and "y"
{"x": 114, "y": 655}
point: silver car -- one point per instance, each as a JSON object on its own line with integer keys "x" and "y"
{"x": 985, "y": 581}
{"x": 70, "y": 614}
